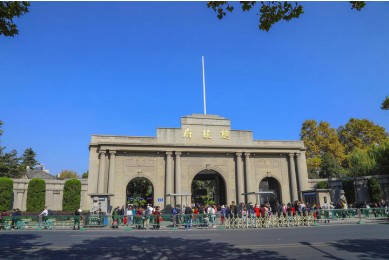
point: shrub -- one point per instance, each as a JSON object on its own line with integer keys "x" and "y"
{"x": 36, "y": 194}
{"x": 374, "y": 189}
{"x": 6, "y": 189}
{"x": 71, "y": 195}
{"x": 322, "y": 185}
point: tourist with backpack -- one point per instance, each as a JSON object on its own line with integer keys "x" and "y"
{"x": 77, "y": 219}
{"x": 175, "y": 212}
{"x": 188, "y": 217}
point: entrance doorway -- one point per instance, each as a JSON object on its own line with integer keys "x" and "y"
{"x": 140, "y": 192}
{"x": 209, "y": 187}
{"x": 270, "y": 184}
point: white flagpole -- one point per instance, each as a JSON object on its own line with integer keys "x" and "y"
{"x": 205, "y": 103}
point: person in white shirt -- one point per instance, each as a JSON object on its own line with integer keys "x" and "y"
{"x": 130, "y": 216}
{"x": 43, "y": 215}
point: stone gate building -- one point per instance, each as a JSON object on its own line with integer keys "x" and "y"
{"x": 204, "y": 147}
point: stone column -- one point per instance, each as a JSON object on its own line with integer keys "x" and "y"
{"x": 239, "y": 179}
{"x": 20, "y": 199}
{"x": 178, "y": 177}
{"x": 168, "y": 181}
{"x": 292, "y": 178}
{"x": 111, "y": 174}
{"x": 247, "y": 174}
{"x": 300, "y": 180}
{"x": 101, "y": 183}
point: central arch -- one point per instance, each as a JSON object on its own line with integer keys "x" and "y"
{"x": 270, "y": 184}
{"x": 140, "y": 192}
{"x": 208, "y": 187}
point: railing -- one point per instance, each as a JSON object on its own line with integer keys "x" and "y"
{"x": 356, "y": 214}
{"x": 200, "y": 221}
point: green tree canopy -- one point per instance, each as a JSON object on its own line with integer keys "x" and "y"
{"x": 361, "y": 163}
{"x": 270, "y": 12}
{"x": 8, "y": 11}
{"x": 10, "y": 163}
{"x": 361, "y": 134}
{"x": 374, "y": 189}
{"x": 329, "y": 167}
{"x": 85, "y": 175}
{"x": 385, "y": 104}
{"x": 10, "y": 166}
{"x": 28, "y": 158}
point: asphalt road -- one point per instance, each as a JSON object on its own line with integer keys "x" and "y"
{"x": 368, "y": 241}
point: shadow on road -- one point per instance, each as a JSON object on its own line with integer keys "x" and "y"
{"x": 17, "y": 246}
{"x": 368, "y": 248}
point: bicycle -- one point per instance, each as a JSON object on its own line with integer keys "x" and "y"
{"x": 47, "y": 224}
{"x": 19, "y": 224}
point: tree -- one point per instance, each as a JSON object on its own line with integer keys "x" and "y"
{"x": 271, "y": 12}
{"x": 381, "y": 156}
{"x": 361, "y": 134}
{"x": 361, "y": 163}
{"x": 85, "y": 175}
{"x": 36, "y": 195}
{"x": 71, "y": 195}
{"x": 10, "y": 166}
{"x": 28, "y": 158}
{"x": 8, "y": 11}
{"x": 68, "y": 174}
{"x": 385, "y": 104}
{"x": 329, "y": 167}
{"x": 318, "y": 140}
{"x": 374, "y": 189}
{"x": 6, "y": 189}
{"x": 9, "y": 162}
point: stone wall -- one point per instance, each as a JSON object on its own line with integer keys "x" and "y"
{"x": 54, "y": 194}
{"x": 360, "y": 187}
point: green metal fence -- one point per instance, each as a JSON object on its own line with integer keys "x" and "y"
{"x": 199, "y": 221}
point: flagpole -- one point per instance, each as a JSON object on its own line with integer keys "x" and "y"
{"x": 205, "y": 103}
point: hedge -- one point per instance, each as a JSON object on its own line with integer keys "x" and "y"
{"x": 36, "y": 194}
{"x": 71, "y": 195}
{"x": 322, "y": 185}
{"x": 6, "y": 190}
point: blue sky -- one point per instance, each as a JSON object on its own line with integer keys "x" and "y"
{"x": 127, "y": 68}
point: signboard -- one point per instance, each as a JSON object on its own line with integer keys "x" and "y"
{"x": 160, "y": 199}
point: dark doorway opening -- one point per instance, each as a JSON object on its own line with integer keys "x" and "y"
{"x": 270, "y": 184}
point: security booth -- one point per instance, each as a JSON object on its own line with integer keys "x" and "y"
{"x": 261, "y": 197}
{"x": 318, "y": 196}
{"x": 178, "y": 198}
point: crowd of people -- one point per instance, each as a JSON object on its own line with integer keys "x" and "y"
{"x": 208, "y": 215}
{"x": 142, "y": 218}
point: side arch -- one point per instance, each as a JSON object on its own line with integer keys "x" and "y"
{"x": 140, "y": 190}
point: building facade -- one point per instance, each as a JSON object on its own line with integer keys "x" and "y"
{"x": 204, "y": 147}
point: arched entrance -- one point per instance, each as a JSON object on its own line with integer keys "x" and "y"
{"x": 209, "y": 187}
{"x": 270, "y": 184}
{"x": 140, "y": 192}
